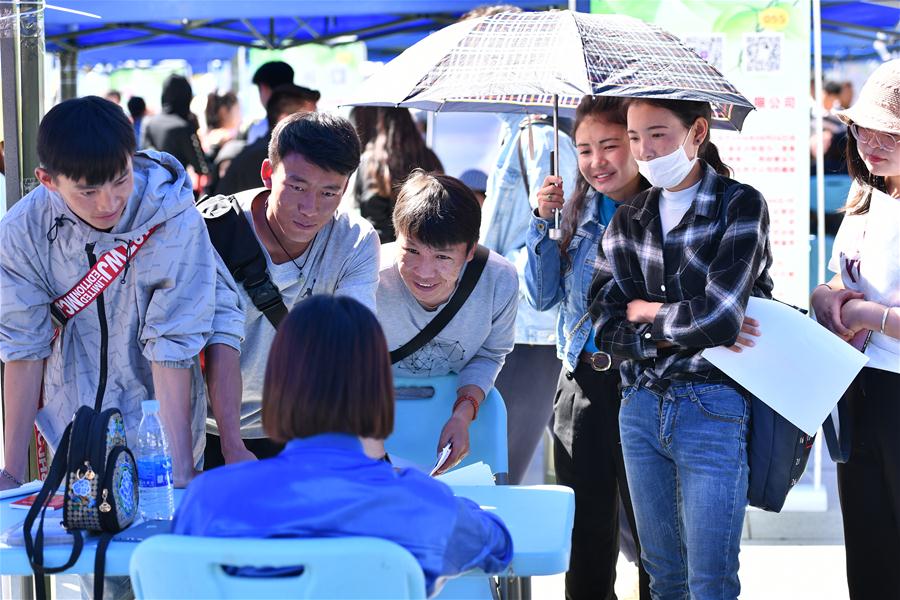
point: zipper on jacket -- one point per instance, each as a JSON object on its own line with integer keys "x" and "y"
{"x": 104, "y": 335}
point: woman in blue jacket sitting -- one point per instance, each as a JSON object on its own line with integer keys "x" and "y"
{"x": 322, "y": 484}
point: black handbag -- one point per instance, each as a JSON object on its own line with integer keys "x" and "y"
{"x": 101, "y": 491}
{"x": 777, "y": 453}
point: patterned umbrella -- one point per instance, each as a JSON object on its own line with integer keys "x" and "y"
{"x": 513, "y": 62}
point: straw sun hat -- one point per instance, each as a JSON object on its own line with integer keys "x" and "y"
{"x": 878, "y": 105}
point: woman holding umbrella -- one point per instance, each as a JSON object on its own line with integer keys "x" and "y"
{"x": 586, "y": 450}
{"x": 677, "y": 266}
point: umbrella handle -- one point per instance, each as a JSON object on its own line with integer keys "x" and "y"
{"x": 555, "y": 232}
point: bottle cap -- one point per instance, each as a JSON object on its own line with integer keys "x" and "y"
{"x": 150, "y": 406}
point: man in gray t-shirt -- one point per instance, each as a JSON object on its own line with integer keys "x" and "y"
{"x": 437, "y": 220}
{"x": 309, "y": 249}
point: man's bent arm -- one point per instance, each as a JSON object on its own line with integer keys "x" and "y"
{"x": 173, "y": 390}
{"x": 223, "y": 379}
{"x": 21, "y": 390}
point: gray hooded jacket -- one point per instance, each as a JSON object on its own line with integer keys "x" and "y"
{"x": 160, "y": 309}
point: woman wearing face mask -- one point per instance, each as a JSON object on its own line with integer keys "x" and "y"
{"x": 676, "y": 268}
{"x": 863, "y": 298}
{"x": 586, "y": 450}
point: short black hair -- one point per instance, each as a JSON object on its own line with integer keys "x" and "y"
{"x": 273, "y": 74}
{"x": 327, "y": 141}
{"x": 137, "y": 108}
{"x": 88, "y": 138}
{"x": 284, "y": 100}
{"x": 832, "y": 87}
{"x": 438, "y": 210}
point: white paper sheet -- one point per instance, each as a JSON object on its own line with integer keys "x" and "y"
{"x": 475, "y": 474}
{"x": 797, "y": 367}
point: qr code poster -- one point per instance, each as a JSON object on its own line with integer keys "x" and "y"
{"x": 762, "y": 52}
{"x": 709, "y": 47}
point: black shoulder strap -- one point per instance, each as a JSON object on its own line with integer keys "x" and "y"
{"x": 436, "y": 325}
{"x": 34, "y": 548}
{"x": 100, "y": 563}
{"x": 234, "y": 240}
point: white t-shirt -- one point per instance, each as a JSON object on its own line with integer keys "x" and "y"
{"x": 867, "y": 256}
{"x": 673, "y": 205}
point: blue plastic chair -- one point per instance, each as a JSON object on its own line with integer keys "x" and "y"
{"x": 423, "y": 407}
{"x": 176, "y": 567}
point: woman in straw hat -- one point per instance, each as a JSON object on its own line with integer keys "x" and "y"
{"x": 860, "y": 305}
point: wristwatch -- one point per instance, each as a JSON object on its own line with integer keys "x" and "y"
{"x": 601, "y": 361}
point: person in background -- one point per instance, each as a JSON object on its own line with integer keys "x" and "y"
{"x": 311, "y": 405}
{"x": 475, "y": 180}
{"x": 114, "y": 96}
{"x": 587, "y": 453}
{"x": 266, "y": 78}
{"x": 861, "y": 300}
{"x": 396, "y": 149}
{"x": 437, "y": 220}
{"x": 137, "y": 110}
{"x": 175, "y": 129}
{"x": 683, "y": 423}
{"x": 309, "y": 249}
{"x": 528, "y": 379}
{"x": 223, "y": 121}
{"x": 241, "y": 171}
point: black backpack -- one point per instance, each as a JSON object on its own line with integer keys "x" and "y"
{"x": 101, "y": 490}
{"x": 234, "y": 240}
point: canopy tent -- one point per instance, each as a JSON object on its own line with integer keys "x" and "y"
{"x": 859, "y": 30}
{"x": 168, "y": 28}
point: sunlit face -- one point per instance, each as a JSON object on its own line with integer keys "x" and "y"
{"x": 303, "y": 198}
{"x": 654, "y": 131}
{"x": 100, "y": 206}
{"x": 878, "y": 161}
{"x": 430, "y": 274}
{"x": 604, "y": 158}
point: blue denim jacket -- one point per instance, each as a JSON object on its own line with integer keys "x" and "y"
{"x": 547, "y": 284}
{"x": 506, "y": 214}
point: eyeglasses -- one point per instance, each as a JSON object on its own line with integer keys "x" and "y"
{"x": 873, "y": 138}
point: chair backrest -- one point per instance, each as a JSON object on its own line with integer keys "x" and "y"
{"x": 177, "y": 566}
{"x": 423, "y": 407}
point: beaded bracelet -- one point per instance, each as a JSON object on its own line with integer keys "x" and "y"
{"x": 467, "y": 398}
{"x": 6, "y": 474}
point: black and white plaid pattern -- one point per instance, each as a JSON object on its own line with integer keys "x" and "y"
{"x": 710, "y": 265}
{"x": 515, "y": 60}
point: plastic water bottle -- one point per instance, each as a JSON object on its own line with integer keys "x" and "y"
{"x": 154, "y": 463}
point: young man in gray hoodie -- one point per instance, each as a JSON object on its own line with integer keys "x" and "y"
{"x": 309, "y": 248}
{"x": 133, "y": 216}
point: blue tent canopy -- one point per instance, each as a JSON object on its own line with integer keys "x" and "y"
{"x": 204, "y": 30}
{"x": 849, "y": 29}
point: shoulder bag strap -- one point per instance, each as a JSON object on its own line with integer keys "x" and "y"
{"x": 98, "y": 278}
{"x": 100, "y": 563}
{"x": 234, "y": 239}
{"x": 436, "y": 325}
{"x": 34, "y": 548}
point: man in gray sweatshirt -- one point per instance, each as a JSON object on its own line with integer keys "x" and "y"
{"x": 437, "y": 220}
{"x": 111, "y": 246}
{"x": 309, "y": 248}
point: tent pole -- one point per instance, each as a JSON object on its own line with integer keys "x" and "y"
{"x": 820, "y": 146}
{"x": 820, "y": 190}
{"x": 68, "y": 75}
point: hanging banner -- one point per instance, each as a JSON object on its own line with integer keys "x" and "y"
{"x": 762, "y": 47}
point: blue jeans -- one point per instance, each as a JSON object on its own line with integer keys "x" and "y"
{"x": 685, "y": 454}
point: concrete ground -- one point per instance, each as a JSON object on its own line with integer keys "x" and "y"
{"x": 798, "y": 553}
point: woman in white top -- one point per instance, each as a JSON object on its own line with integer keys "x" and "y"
{"x": 858, "y": 303}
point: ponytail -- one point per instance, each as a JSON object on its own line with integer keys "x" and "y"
{"x": 709, "y": 153}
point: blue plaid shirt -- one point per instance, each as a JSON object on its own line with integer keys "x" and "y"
{"x": 704, "y": 273}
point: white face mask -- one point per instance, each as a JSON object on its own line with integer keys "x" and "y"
{"x": 669, "y": 170}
